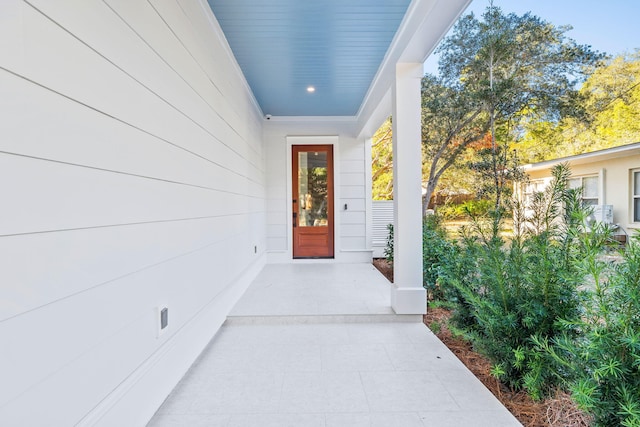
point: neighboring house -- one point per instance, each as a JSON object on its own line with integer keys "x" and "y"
{"x": 610, "y": 182}
{"x": 156, "y": 154}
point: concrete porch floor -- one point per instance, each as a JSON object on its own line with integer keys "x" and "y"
{"x": 318, "y": 345}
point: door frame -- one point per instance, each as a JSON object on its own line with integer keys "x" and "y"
{"x": 314, "y": 230}
{"x": 313, "y": 140}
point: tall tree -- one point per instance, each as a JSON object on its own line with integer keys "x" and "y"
{"x": 493, "y": 73}
{"x": 382, "y": 162}
{"x": 451, "y": 120}
{"x": 614, "y": 101}
{"x": 612, "y": 104}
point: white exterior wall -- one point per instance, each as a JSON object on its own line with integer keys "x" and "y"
{"x": 352, "y": 187}
{"x": 132, "y": 172}
{"x": 382, "y": 216}
{"x": 615, "y": 184}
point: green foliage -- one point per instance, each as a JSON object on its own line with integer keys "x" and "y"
{"x": 451, "y": 121}
{"x": 610, "y": 98}
{"x": 388, "y": 249}
{"x": 496, "y": 170}
{"x": 435, "y": 246}
{"x": 462, "y": 210}
{"x": 382, "y": 162}
{"x": 547, "y": 309}
{"x": 457, "y": 266}
{"x": 516, "y": 65}
{"x": 435, "y": 327}
{"x": 494, "y": 73}
{"x": 613, "y": 101}
{"x": 602, "y": 366}
{"x": 508, "y": 294}
{"x": 441, "y": 304}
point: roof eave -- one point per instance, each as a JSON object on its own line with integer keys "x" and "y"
{"x": 592, "y": 157}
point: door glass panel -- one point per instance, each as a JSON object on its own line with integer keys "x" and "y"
{"x": 312, "y": 189}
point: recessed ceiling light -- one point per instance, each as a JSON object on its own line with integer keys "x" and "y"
{"x": 311, "y": 89}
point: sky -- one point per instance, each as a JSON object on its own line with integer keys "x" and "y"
{"x": 611, "y": 26}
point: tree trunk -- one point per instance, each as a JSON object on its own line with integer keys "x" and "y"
{"x": 431, "y": 186}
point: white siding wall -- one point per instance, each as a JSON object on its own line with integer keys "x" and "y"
{"x": 382, "y": 216}
{"x": 353, "y": 192}
{"x": 351, "y": 188}
{"x": 615, "y": 186}
{"x": 132, "y": 177}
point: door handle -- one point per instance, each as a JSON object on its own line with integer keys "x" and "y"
{"x": 295, "y": 217}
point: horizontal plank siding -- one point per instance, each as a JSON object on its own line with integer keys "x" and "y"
{"x": 382, "y": 211}
{"x": 352, "y": 204}
{"x": 133, "y": 177}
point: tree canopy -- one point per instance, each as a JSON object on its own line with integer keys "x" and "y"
{"x": 507, "y": 84}
{"x": 382, "y": 163}
{"x": 612, "y": 107}
{"x": 494, "y": 73}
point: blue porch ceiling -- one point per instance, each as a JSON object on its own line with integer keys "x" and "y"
{"x": 285, "y": 46}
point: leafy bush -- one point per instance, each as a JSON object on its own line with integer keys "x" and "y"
{"x": 602, "y": 366}
{"x": 388, "y": 250}
{"x": 435, "y": 246}
{"x": 459, "y": 265}
{"x": 507, "y": 294}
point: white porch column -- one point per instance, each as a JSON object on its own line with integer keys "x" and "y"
{"x": 408, "y": 296}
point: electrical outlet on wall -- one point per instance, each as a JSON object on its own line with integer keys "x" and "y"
{"x": 162, "y": 319}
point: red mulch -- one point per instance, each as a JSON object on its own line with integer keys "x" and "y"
{"x": 558, "y": 410}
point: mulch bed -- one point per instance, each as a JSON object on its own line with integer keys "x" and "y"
{"x": 558, "y": 410}
{"x": 383, "y": 266}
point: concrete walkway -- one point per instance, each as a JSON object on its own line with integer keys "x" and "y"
{"x": 317, "y": 345}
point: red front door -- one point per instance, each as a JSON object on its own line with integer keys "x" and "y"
{"x": 312, "y": 201}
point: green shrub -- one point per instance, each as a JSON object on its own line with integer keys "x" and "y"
{"x": 602, "y": 365}
{"x": 388, "y": 249}
{"x": 435, "y": 327}
{"x": 507, "y": 294}
{"x": 435, "y": 246}
{"x": 458, "y": 265}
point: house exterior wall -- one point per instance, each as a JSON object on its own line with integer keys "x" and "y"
{"x": 352, "y": 186}
{"x": 615, "y": 176}
{"x": 382, "y": 217}
{"x": 133, "y": 174}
